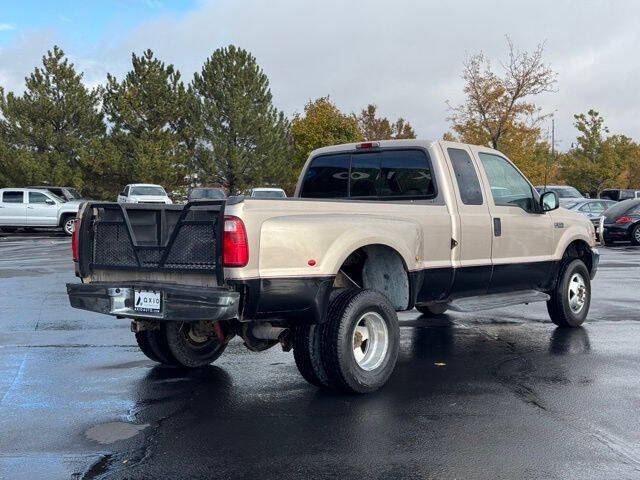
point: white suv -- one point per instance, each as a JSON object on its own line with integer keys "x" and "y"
{"x": 31, "y": 207}
{"x": 143, "y": 193}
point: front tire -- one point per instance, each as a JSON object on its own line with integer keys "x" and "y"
{"x": 189, "y": 348}
{"x": 360, "y": 341}
{"x": 67, "y": 224}
{"x": 571, "y": 298}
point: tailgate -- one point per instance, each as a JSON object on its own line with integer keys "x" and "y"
{"x": 152, "y": 238}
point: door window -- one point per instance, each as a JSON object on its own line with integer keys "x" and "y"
{"x": 466, "y": 176}
{"x": 12, "y": 197}
{"x": 508, "y": 187}
{"x": 37, "y": 197}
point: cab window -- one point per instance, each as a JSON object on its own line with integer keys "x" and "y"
{"x": 12, "y": 197}
{"x": 508, "y": 187}
{"x": 37, "y": 197}
{"x": 466, "y": 176}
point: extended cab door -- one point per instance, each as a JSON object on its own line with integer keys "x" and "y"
{"x": 522, "y": 235}
{"x": 42, "y": 210}
{"x": 472, "y": 254}
{"x": 13, "y": 210}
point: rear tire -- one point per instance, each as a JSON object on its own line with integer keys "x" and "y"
{"x": 189, "y": 349}
{"x": 154, "y": 345}
{"x": 307, "y": 354}
{"x": 432, "y": 310}
{"x": 571, "y": 298}
{"x": 360, "y": 341}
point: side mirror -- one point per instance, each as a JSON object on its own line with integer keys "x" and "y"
{"x": 549, "y": 201}
{"x": 48, "y": 201}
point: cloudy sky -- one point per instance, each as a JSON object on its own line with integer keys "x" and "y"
{"x": 404, "y": 55}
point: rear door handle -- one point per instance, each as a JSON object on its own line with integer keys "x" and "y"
{"x": 497, "y": 227}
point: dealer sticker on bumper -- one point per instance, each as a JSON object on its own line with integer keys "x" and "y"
{"x": 147, "y": 301}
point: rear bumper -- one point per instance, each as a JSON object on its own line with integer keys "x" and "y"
{"x": 615, "y": 232}
{"x": 178, "y": 302}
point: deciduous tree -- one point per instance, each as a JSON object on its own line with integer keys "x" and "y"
{"x": 380, "y": 128}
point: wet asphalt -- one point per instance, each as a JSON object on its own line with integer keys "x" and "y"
{"x": 499, "y": 394}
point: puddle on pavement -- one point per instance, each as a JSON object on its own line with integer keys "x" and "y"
{"x": 113, "y": 431}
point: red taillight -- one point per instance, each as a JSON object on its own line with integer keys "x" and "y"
{"x": 623, "y": 220}
{"x": 235, "y": 250}
{"x": 74, "y": 240}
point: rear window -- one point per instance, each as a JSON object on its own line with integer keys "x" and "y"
{"x": 148, "y": 190}
{"x": 268, "y": 194}
{"x": 623, "y": 207}
{"x": 206, "y": 193}
{"x": 387, "y": 174}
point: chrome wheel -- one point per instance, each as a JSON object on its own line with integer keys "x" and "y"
{"x": 370, "y": 341}
{"x": 577, "y": 292}
{"x": 68, "y": 226}
{"x": 636, "y": 234}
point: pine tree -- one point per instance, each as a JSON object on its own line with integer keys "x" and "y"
{"x": 154, "y": 118}
{"x": 48, "y": 133}
{"x": 245, "y": 139}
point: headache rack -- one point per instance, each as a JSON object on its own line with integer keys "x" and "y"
{"x": 152, "y": 237}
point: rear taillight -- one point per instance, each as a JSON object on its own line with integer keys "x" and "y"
{"x": 74, "y": 240}
{"x": 235, "y": 250}
{"x": 623, "y": 220}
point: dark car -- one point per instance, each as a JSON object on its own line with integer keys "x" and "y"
{"x": 591, "y": 207}
{"x": 206, "y": 193}
{"x": 66, "y": 193}
{"x": 619, "y": 194}
{"x": 621, "y": 222}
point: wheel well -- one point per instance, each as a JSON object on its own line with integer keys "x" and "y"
{"x": 377, "y": 267}
{"x": 579, "y": 249}
{"x": 64, "y": 217}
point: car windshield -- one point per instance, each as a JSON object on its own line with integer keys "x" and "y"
{"x": 73, "y": 193}
{"x": 202, "y": 193}
{"x": 148, "y": 190}
{"x": 268, "y": 194}
{"x": 565, "y": 192}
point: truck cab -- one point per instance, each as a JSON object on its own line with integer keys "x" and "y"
{"x": 373, "y": 228}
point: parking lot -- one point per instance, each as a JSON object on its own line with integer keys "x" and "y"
{"x": 500, "y": 394}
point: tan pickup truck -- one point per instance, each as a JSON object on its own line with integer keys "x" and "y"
{"x": 374, "y": 228}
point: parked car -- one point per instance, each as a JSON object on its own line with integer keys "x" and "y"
{"x": 374, "y": 228}
{"x": 143, "y": 193}
{"x": 205, "y": 193}
{"x": 618, "y": 194}
{"x": 66, "y": 193}
{"x": 565, "y": 193}
{"x": 591, "y": 208}
{"x": 266, "y": 193}
{"x": 30, "y": 207}
{"x": 621, "y": 222}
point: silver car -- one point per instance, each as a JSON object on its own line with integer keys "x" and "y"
{"x": 592, "y": 208}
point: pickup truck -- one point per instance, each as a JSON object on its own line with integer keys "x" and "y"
{"x": 143, "y": 193}
{"x": 373, "y": 228}
{"x": 31, "y": 207}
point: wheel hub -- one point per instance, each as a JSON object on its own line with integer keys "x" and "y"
{"x": 577, "y": 293}
{"x": 370, "y": 341}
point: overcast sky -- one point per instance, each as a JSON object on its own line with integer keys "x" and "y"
{"x": 404, "y": 56}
